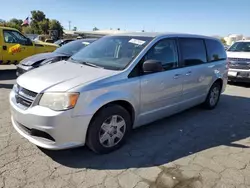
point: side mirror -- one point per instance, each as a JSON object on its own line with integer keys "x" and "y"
{"x": 151, "y": 66}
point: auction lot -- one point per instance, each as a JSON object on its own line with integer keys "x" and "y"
{"x": 196, "y": 148}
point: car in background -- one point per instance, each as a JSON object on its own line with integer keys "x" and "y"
{"x": 62, "y": 42}
{"x": 239, "y": 61}
{"x": 61, "y": 53}
{"x": 226, "y": 47}
{"x": 14, "y": 46}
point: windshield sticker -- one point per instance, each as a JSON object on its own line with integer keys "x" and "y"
{"x": 137, "y": 41}
{"x": 86, "y": 43}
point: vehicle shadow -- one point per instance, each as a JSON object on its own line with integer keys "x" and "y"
{"x": 170, "y": 139}
{"x": 6, "y": 86}
{"x": 240, "y": 84}
{"x": 8, "y": 74}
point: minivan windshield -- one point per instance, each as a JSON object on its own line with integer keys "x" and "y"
{"x": 111, "y": 52}
{"x": 240, "y": 47}
{"x": 73, "y": 47}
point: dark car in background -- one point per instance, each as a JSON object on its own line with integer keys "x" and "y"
{"x": 59, "y": 54}
{"x": 62, "y": 42}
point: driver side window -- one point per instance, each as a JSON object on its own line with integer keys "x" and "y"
{"x": 14, "y": 37}
{"x": 164, "y": 51}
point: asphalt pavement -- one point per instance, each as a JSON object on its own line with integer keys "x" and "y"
{"x": 193, "y": 149}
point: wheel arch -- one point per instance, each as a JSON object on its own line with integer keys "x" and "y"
{"x": 123, "y": 103}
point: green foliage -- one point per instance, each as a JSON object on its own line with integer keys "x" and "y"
{"x": 75, "y": 29}
{"x": 37, "y": 16}
{"x": 14, "y": 23}
{"x": 56, "y": 25}
{"x": 28, "y": 30}
{"x": 223, "y": 40}
{"x": 44, "y": 26}
{"x": 95, "y": 29}
{"x": 39, "y": 24}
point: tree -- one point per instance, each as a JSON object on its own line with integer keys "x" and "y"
{"x": 44, "y": 26}
{"x": 142, "y": 30}
{"x": 37, "y": 16}
{"x": 95, "y": 29}
{"x": 75, "y": 29}
{"x": 56, "y": 25}
{"x": 118, "y": 29}
{"x": 223, "y": 40}
{"x": 39, "y": 24}
{"x": 28, "y": 30}
{"x": 15, "y": 23}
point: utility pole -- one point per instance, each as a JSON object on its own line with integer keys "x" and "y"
{"x": 69, "y": 25}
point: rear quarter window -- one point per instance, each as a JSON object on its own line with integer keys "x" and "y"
{"x": 215, "y": 50}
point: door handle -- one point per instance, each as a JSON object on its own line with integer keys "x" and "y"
{"x": 176, "y": 76}
{"x": 4, "y": 47}
{"x": 188, "y": 73}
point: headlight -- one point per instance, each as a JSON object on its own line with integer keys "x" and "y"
{"x": 15, "y": 88}
{"x": 59, "y": 101}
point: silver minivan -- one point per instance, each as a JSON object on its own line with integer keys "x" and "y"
{"x": 118, "y": 83}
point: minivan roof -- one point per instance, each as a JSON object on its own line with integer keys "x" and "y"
{"x": 159, "y": 34}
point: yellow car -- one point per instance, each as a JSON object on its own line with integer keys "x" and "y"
{"x": 14, "y": 46}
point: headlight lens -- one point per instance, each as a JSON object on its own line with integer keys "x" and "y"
{"x": 15, "y": 88}
{"x": 59, "y": 101}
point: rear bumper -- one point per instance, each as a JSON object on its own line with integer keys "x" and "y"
{"x": 47, "y": 128}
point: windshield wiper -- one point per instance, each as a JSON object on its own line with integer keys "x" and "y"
{"x": 90, "y": 64}
{"x": 85, "y": 63}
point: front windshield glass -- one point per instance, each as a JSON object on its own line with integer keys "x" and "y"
{"x": 111, "y": 52}
{"x": 58, "y": 42}
{"x": 240, "y": 47}
{"x": 73, "y": 47}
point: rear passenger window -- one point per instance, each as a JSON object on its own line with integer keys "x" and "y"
{"x": 193, "y": 51}
{"x": 215, "y": 51}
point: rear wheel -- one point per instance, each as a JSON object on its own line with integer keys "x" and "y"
{"x": 213, "y": 96}
{"x": 109, "y": 129}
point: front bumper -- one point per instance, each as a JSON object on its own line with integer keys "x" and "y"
{"x": 239, "y": 75}
{"x": 57, "y": 129}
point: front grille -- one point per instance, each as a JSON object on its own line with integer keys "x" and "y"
{"x": 243, "y": 66}
{"x": 37, "y": 133}
{"x": 25, "y": 97}
{"x": 28, "y": 92}
{"x": 238, "y": 59}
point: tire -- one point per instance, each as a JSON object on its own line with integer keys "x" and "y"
{"x": 103, "y": 132}
{"x": 209, "y": 103}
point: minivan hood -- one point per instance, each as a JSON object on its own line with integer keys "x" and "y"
{"x": 238, "y": 55}
{"x": 39, "y": 57}
{"x": 61, "y": 76}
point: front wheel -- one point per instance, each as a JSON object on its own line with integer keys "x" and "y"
{"x": 213, "y": 96}
{"x": 109, "y": 129}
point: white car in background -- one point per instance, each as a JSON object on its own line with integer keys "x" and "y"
{"x": 239, "y": 61}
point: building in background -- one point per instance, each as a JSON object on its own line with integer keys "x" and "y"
{"x": 230, "y": 39}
